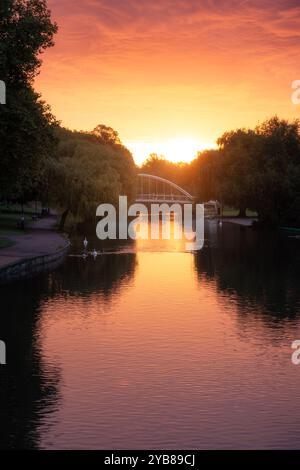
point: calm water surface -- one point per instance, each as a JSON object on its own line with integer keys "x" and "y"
{"x": 152, "y": 347}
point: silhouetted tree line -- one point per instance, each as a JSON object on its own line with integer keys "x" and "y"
{"x": 255, "y": 169}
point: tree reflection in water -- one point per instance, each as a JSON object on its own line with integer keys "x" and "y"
{"x": 29, "y": 384}
{"x": 25, "y": 387}
{"x": 260, "y": 271}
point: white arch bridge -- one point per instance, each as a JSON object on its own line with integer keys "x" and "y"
{"x": 154, "y": 189}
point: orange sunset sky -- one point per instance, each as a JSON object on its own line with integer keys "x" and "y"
{"x": 171, "y": 75}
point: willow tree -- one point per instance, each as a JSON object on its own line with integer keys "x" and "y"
{"x": 86, "y": 173}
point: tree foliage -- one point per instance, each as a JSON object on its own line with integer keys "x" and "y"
{"x": 26, "y": 30}
{"x": 204, "y": 173}
{"x": 256, "y": 169}
{"x": 86, "y": 173}
{"x": 239, "y": 151}
{"x": 277, "y": 189}
{"x": 106, "y": 135}
{"x": 26, "y": 122}
{"x": 177, "y": 172}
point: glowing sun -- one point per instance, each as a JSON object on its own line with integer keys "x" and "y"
{"x": 179, "y": 149}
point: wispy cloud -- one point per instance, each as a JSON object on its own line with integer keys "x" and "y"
{"x": 151, "y": 57}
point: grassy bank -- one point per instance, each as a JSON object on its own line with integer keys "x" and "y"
{"x": 5, "y": 234}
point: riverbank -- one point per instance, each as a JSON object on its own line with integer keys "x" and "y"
{"x": 39, "y": 248}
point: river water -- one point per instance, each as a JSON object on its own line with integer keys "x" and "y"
{"x": 154, "y": 347}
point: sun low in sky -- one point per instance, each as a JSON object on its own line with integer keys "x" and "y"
{"x": 171, "y": 76}
{"x": 176, "y": 150}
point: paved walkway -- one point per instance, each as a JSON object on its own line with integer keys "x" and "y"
{"x": 40, "y": 238}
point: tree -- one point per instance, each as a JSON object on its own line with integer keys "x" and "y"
{"x": 27, "y": 141}
{"x": 26, "y": 30}
{"x": 205, "y": 173}
{"x": 239, "y": 151}
{"x": 277, "y": 172}
{"x": 26, "y": 122}
{"x": 86, "y": 173}
{"x": 157, "y": 165}
{"x": 106, "y": 135}
{"x": 260, "y": 170}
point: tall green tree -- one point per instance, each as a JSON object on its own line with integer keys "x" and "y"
{"x": 26, "y": 122}
{"x": 277, "y": 172}
{"x": 26, "y": 30}
{"x": 239, "y": 151}
{"x": 27, "y": 141}
{"x": 260, "y": 170}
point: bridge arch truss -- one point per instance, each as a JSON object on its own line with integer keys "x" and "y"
{"x": 154, "y": 189}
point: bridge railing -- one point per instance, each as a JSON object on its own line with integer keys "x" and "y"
{"x": 161, "y": 197}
